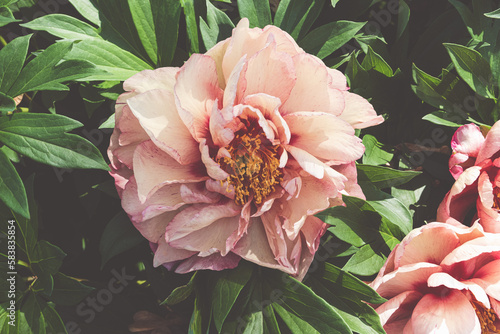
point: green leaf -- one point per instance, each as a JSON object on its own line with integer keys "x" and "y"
{"x": 44, "y": 72}
{"x": 365, "y": 262}
{"x": 191, "y": 25}
{"x": 12, "y": 57}
{"x": 296, "y": 16}
{"x": 300, "y": 308}
{"x": 39, "y": 317}
{"x": 334, "y": 3}
{"x": 166, "y": 15}
{"x": 45, "y": 262}
{"x": 384, "y": 177}
{"x": 494, "y": 14}
{"x": 473, "y": 68}
{"x": 6, "y": 17}
{"x": 323, "y": 41}
{"x": 217, "y": 28}
{"x": 443, "y": 118}
{"x": 118, "y": 236}
{"x": 42, "y": 138}
{"x": 226, "y": 290}
{"x": 375, "y": 152}
{"x": 109, "y": 123}
{"x": 88, "y": 10}
{"x": 403, "y": 18}
{"x": 7, "y": 104}
{"x": 471, "y": 21}
{"x": 180, "y": 293}
{"x": 118, "y": 63}
{"x": 258, "y": 12}
{"x": 12, "y": 191}
{"x": 63, "y": 26}
{"x": 374, "y": 61}
{"x": 68, "y": 291}
{"x": 144, "y": 24}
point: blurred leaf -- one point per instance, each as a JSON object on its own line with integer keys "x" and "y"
{"x": 473, "y": 68}
{"x": 46, "y": 72}
{"x": 68, "y": 291}
{"x": 375, "y": 153}
{"x": 384, "y": 177}
{"x": 45, "y": 262}
{"x": 88, "y": 10}
{"x": 296, "y": 16}
{"x": 403, "y": 18}
{"x": 63, "y": 26}
{"x": 142, "y": 16}
{"x": 218, "y": 27}
{"x": 6, "y": 16}
{"x": 323, "y": 41}
{"x": 494, "y": 14}
{"x": 166, "y": 15}
{"x": 181, "y": 293}
{"x": 118, "y": 63}
{"x": 227, "y": 288}
{"x": 119, "y": 236}
{"x": 12, "y": 57}
{"x": 42, "y": 138}
{"x": 258, "y": 12}
{"x": 12, "y": 191}
{"x": 334, "y": 3}
{"x": 471, "y": 21}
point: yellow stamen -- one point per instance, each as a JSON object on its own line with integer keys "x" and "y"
{"x": 253, "y": 167}
{"x": 487, "y": 318}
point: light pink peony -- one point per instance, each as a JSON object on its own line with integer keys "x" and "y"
{"x": 477, "y": 187}
{"x": 231, "y": 155}
{"x": 442, "y": 279}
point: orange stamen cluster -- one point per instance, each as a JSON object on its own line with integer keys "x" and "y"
{"x": 486, "y": 316}
{"x": 496, "y": 198}
{"x": 253, "y": 167}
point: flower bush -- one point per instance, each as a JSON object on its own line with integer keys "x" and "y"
{"x": 442, "y": 279}
{"x": 477, "y": 187}
{"x": 231, "y": 155}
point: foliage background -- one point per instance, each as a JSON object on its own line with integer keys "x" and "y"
{"x": 427, "y": 66}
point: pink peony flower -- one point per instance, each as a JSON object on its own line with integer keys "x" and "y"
{"x": 231, "y": 155}
{"x": 478, "y": 186}
{"x": 442, "y": 279}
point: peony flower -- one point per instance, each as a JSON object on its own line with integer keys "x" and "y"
{"x": 442, "y": 279}
{"x": 231, "y": 155}
{"x": 477, "y": 186}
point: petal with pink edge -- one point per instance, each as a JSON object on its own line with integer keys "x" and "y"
{"x": 488, "y": 277}
{"x": 212, "y": 262}
{"x": 165, "y": 253}
{"x": 450, "y": 313}
{"x": 359, "y": 112}
{"x": 445, "y": 279}
{"x": 468, "y": 140}
{"x": 491, "y": 144}
{"x": 398, "y": 308}
{"x": 160, "y": 78}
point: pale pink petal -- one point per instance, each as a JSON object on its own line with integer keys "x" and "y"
{"x": 312, "y": 91}
{"x": 232, "y": 86}
{"x": 223, "y": 188}
{"x": 451, "y": 313}
{"x": 197, "y": 193}
{"x": 165, "y": 253}
{"x": 491, "y": 144}
{"x": 467, "y": 140}
{"x": 157, "y": 113}
{"x": 488, "y": 277}
{"x": 324, "y": 136}
{"x": 154, "y": 168}
{"x": 131, "y": 131}
{"x": 489, "y": 216}
{"x": 154, "y": 228}
{"x": 352, "y": 187}
{"x": 195, "y": 92}
{"x": 221, "y": 131}
{"x": 121, "y": 176}
{"x": 310, "y": 237}
{"x": 217, "y": 53}
{"x": 213, "y": 262}
{"x": 337, "y": 79}
{"x": 160, "y": 78}
{"x": 446, "y": 280}
{"x": 307, "y": 162}
{"x": 213, "y": 168}
{"x": 398, "y": 308}
{"x": 455, "y": 162}
{"x": 198, "y": 216}
{"x": 359, "y": 112}
{"x": 270, "y": 72}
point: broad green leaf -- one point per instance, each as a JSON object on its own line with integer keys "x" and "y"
{"x": 118, "y": 236}
{"x": 118, "y": 63}
{"x": 323, "y": 41}
{"x": 166, "y": 15}
{"x": 296, "y": 16}
{"x": 68, "y": 291}
{"x": 13, "y": 156}
{"x": 473, "y": 68}
{"x": 7, "y": 104}
{"x": 374, "y": 61}
{"x": 12, "y": 57}
{"x": 6, "y": 17}
{"x": 226, "y": 290}
{"x": 384, "y": 177}
{"x": 191, "y": 25}
{"x": 217, "y": 28}
{"x": 109, "y": 123}
{"x": 42, "y": 138}
{"x": 144, "y": 24}
{"x": 63, "y": 26}
{"x": 366, "y": 262}
{"x": 375, "y": 153}
{"x": 12, "y": 191}
{"x": 44, "y": 72}
{"x": 88, "y": 10}
{"x": 300, "y": 308}
{"x": 5, "y": 3}
{"x": 258, "y": 12}
{"x": 39, "y": 317}
{"x": 443, "y": 118}
{"x": 494, "y": 14}
{"x": 180, "y": 293}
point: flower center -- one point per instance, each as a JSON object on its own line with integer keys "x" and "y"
{"x": 496, "y": 198}
{"x": 487, "y": 317}
{"x": 253, "y": 165}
